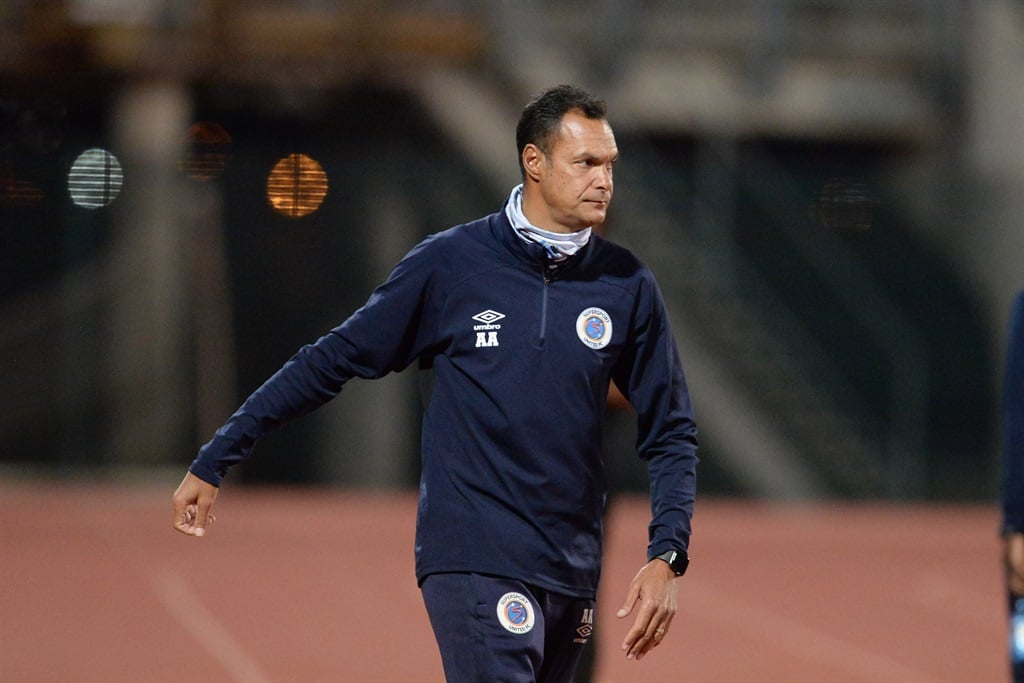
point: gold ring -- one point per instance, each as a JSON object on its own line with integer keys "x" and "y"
{"x": 658, "y": 633}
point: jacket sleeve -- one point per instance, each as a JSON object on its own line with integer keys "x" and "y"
{"x": 384, "y": 335}
{"x": 651, "y": 377}
{"x": 1013, "y": 424}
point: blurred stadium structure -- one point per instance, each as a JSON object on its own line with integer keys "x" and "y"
{"x": 831, "y": 193}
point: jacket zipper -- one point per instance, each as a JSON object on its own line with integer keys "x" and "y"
{"x": 547, "y": 279}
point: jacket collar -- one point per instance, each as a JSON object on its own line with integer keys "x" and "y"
{"x": 531, "y": 253}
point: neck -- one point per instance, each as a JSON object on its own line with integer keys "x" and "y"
{"x": 558, "y": 245}
{"x": 536, "y": 211}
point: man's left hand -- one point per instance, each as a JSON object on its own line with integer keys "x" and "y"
{"x": 652, "y": 592}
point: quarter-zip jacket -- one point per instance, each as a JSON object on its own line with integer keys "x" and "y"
{"x": 512, "y": 478}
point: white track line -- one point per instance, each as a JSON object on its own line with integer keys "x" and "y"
{"x": 204, "y": 627}
{"x": 799, "y": 639}
{"x": 945, "y": 595}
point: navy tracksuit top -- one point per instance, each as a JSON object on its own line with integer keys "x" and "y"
{"x": 512, "y": 479}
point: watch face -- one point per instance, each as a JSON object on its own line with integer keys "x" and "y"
{"x": 676, "y": 560}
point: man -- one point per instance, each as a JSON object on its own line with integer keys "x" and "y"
{"x": 1013, "y": 485}
{"x": 523, "y": 318}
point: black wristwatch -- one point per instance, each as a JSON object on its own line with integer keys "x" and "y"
{"x": 677, "y": 559}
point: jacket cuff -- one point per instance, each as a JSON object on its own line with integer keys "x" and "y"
{"x": 206, "y": 473}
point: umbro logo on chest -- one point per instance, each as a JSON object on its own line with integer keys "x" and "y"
{"x": 487, "y": 328}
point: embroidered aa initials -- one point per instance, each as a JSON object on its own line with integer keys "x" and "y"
{"x": 486, "y": 339}
{"x": 487, "y": 330}
{"x": 586, "y": 627}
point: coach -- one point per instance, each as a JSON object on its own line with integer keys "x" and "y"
{"x": 523, "y": 318}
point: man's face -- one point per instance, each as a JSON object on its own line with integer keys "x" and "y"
{"x": 575, "y": 178}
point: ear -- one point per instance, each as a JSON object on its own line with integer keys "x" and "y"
{"x": 533, "y": 161}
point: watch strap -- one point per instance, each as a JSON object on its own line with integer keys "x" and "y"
{"x": 678, "y": 560}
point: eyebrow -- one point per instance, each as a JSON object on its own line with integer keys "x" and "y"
{"x": 591, "y": 156}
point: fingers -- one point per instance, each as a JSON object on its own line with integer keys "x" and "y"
{"x": 649, "y": 627}
{"x": 203, "y": 516}
{"x": 654, "y": 591}
{"x": 187, "y": 522}
{"x": 653, "y": 637}
{"x": 631, "y": 598}
{"x": 645, "y": 636}
{"x": 193, "y": 501}
{"x": 184, "y": 515}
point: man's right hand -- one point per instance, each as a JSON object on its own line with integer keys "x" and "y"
{"x": 193, "y": 501}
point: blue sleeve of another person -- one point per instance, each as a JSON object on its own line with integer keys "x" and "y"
{"x": 1013, "y": 423}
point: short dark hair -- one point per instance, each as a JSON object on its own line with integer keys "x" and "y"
{"x": 541, "y": 119}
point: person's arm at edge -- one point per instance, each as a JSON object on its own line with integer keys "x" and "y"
{"x": 1013, "y": 453}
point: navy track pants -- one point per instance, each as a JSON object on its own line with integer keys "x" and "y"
{"x": 499, "y": 630}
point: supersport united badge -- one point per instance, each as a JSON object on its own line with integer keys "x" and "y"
{"x": 594, "y": 327}
{"x": 515, "y": 613}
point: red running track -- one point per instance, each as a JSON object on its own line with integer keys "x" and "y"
{"x": 317, "y": 585}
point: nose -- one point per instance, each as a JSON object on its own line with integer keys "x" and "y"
{"x": 604, "y": 178}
